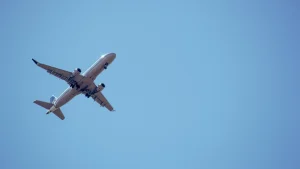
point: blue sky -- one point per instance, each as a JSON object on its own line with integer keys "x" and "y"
{"x": 196, "y": 84}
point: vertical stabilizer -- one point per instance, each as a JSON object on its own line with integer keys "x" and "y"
{"x": 53, "y": 99}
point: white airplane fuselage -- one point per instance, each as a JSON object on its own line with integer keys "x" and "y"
{"x": 90, "y": 75}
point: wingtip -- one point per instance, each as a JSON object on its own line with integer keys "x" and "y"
{"x": 35, "y": 61}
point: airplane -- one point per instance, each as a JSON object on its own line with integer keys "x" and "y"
{"x": 79, "y": 84}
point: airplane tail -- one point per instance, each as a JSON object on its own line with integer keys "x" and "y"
{"x": 59, "y": 114}
{"x": 47, "y": 106}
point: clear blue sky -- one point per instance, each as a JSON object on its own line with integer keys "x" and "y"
{"x": 196, "y": 84}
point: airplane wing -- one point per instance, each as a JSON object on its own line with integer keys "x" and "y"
{"x": 61, "y": 74}
{"x": 99, "y": 98}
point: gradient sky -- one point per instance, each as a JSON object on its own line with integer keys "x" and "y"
{"x": 196, "y": 84}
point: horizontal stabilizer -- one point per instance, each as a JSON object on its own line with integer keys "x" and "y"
{"x": 59, "y": 114}
{"x": 46, "y": 105}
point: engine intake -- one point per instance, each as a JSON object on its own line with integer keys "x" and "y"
{"x": 100, "y": 87}
{"x": 77, "y": 71}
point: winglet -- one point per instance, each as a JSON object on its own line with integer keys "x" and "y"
{"x": 36, "y": 62}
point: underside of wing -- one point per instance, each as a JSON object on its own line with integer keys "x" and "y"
{"x": 69, "y": 77}
{"x": 99, "y": 98}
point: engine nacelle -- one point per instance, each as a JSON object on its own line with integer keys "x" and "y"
{"x": 100, "y": 87}
{"x": 77, "y": 71}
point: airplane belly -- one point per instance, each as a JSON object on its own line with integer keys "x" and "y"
{"x": 64, "y": 98}
{"x": 98, "y": 66}
{"x": 96, "y": 70}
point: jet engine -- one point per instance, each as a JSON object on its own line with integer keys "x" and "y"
{"x": 100, "y": 87}
{"x": 77, "y": 71}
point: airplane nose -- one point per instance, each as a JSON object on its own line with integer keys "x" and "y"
{"x": 112, "y": 56}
